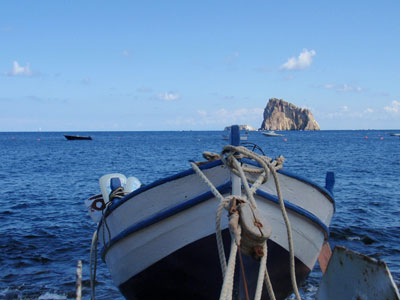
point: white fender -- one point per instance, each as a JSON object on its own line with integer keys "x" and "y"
{"x": 96, "y": 204}
{"x": 132, "y": 184}
{"x": 105, "y": 184}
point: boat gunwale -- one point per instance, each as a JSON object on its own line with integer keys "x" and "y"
{"x": 325, "y": 191}
{"x": 224, "y": 188}
{"x": 206, "y": 166}
{"x": 158, "y": 182}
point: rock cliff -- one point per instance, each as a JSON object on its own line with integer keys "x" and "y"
{"x": 282, "y": 115}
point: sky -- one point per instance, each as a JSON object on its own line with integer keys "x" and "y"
{"x": 196, "y": 65}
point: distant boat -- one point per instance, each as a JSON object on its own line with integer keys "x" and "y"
{"x": 395, "y": 134}
{"x": 272, "y": 133}
{"x": 77, "y": 137}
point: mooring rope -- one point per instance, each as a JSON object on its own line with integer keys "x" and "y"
{"x": 228, "y": 157}
{"x": 222, "y": 204}
{"x": 93, "y": 248}
{"x": 117, "y": 193}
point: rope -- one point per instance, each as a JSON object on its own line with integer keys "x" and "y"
{"x": 289, "y": 234}
{"x": 93, "y": 248}
{"x": 222, "y": 204}
{"x": 272, "y": 167}
{"x": 117, "y": 193}
{"x": 229, "y": 157}
{"x": 269, "y": 286}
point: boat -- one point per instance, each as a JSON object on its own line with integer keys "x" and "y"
{"x": 271, "y": 133}
{"x": 163, "y": 240}
{"x": 395, "y": 134}
{"x": 77, "y": 137}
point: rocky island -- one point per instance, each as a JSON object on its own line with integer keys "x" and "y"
{"x": 282, "y": 115}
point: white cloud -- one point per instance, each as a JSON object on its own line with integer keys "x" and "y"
{"x": 345, "y": 113}
{"x": 202, "y": 113}
{"x": 20, "y": 70}
{"x": 168, "y": 96}
{"x": 224, "y": 116}
{"x": 394, "y": 108}
{"x": 343, "y": 87}
{"x": 329, "y": 86}
{"x": 303, "y": 61}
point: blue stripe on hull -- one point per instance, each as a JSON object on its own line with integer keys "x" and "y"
{"x": 194, "y": 272}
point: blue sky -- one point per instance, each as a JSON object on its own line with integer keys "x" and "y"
{"x": 196, "y": 65}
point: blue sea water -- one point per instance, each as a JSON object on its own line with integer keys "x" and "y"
{"x": 44, "y": 180}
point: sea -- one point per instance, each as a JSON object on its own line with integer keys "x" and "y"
{"x": 45, "y": 179}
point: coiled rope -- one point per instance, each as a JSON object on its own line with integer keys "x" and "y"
{"x": 229, "y": 157}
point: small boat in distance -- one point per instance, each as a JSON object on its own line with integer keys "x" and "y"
{"x": 272, "y": 133}
{"x": 77, "y": 137}
{"x": 395, "y": 134}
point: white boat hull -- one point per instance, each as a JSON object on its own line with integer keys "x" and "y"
{"x": 156, "y": 223}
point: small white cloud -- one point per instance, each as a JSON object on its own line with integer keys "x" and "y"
{"x": 329, "y": 86}
{"x": 343, "y": 88}
{"x": 394, "y": 108}
{"x": 369, "y": 110}
{"x": 303, "y": 61}
{"x": 168, "y": 96}
{"x": 18, "y": 70}
{"x": 220, "y": 117}
{"x": 348, "y": 88}
{"x": 226, "y": 116}
{"x": 202, "y": 113}
{"x": 345, "y": 108}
